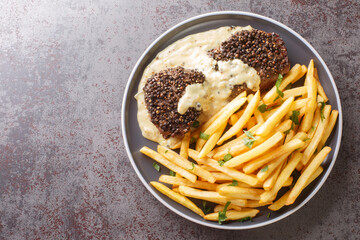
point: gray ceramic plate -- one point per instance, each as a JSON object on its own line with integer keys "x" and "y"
{"x": 299, "y": 51}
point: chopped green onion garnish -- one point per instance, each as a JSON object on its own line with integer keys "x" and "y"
{"x": 227, "y": 157}
{"x": 234, "y": 183}
{"x": 195, "y": 124}
{"x": 222, "y": 214}
{"x": 264, "y": 169}
{"x": 204, "y": 136}
{"x": 156, "y": 166}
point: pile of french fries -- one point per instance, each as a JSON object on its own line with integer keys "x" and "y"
{"x": 247, "y": 152}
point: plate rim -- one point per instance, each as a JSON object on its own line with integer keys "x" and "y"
{"x": 156, "y": 194}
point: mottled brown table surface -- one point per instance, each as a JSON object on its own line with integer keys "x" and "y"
{"x": 64, "y": 172}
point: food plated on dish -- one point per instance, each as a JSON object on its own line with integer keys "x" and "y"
{"x": 245, "y": 123}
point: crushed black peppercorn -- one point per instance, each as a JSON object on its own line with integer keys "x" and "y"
{"x": 266, "y": 52}
{"x": 162, "y": 93}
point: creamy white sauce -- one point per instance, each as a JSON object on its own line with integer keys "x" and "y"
{"x": 191, "y": 52}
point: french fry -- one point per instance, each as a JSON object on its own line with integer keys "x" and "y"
{"x": 240, "y": 192}
{"x": 297, "y": 104}
{"x": 233, "y": 215}
{"x": 258, "y": 115}
{"x": 229, "y": 110}
{"x": 219, "y": 208}
{"x": 235, "y": 146}
{"x": 210, "y": 196}
{"x": 199, "y": 144}
{"x": 288, "y": 182}
{"x": 216, "y": 116}
{"x": 300, "y": 135}
{"x": 312, "y": 94}
{"x": 270, "y": 123}
{"x": 256, "y": 151}
{"x": 295, "y": 73}
{"x": 185, "y": 164}
{"x": 283, "y": 126}
{"x": 265, "y": 172}
{"x": 211, "y": 142}
{"x": 176, "y": 145}
{"x": 299, "y": 166}
{"x": 221, "y": 177}
{"x": 176, "y": 189}
{"x": 208, "y": 168}
{"x": 233, "y": 119}
{"x": 284, "y": 175}
{"x": 160, "y": 159}
{"x": 261, "y": 161}
{"x": 177, "y": 197}
{"x": 238, "y": 126}
{"x": 251, "y": 123}
{"x": 278, "y": 204}
{"x": 185, "y": 145}
{"x": 312, "y": 130}
{"x": 239, "y": 184}
{"x": 239, "y": 176}
{"x": 281, "y": 201}
{"x": 295, "y": 92}
{"x": 328, "y": 129}
{"x": 256, "y": 203}
{"x": 319, "y": 87}
{"x": 309, "y": 170}
{"x": 309, "y": 151}
{"x": 182, "y": 181}
{"x": 270, "y": 181}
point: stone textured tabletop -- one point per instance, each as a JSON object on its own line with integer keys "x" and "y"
{"x": 64, "y": 172}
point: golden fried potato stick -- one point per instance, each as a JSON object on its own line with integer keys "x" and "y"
{"x": 295, "y": 73}
{"x": 265, "y": 172}
{"x": 240, "y": 192}
{"x": 264, "y": 159}
{"x": 230, "y": 108}
{"x": 328, "y": 129}
{"x": 238, "y": 126}
{"x": 185, "y": 145}
{"x": 233, "y": 119}
{"x": 219, "y": 208}
{"x": 270, "y": 181}
{"x": 210, "y": 196}
{"x": 216, "y": 116}
{"x": 221, "y": 177}
{"x": 177, "y": 197}
{"x": 312, "y": 96}
{"x": 185, "y": 164}
{"x": 235, "y": 174}
{"x": 239, "y": 184}
{"x": 314, "y": 142}
{"x": 251, "y": 123}
{"x": 211, "y": 142}
{"x": 309, "y": 170}
{"x": 319, "y": 87}
{"x": 160, "y": 159}
{"x": 281, "y": 201}
{"x": 236, "y": 146}
{"x": 295, "y": 92}
{"x": 233, "y": 215}
{"x": 256, "y": 203}
{"x": 182, "y": 181}
{"x": 284, "y": 175}
{"x": 271, "y": 122}
{"x": 255, "y": 151}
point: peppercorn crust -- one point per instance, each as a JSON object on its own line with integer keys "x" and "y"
{"x": 162, "y": 92}
{"x": 265, "y": 52}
